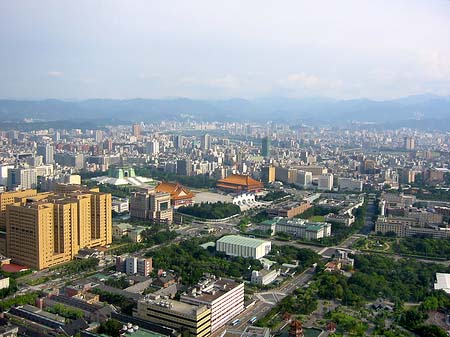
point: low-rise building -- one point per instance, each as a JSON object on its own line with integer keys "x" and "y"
{"x": 299, "y": 228}
{"x": 289, "y": 209}
{"x": 236, "y": 245}
{"x": 264, "y": 276}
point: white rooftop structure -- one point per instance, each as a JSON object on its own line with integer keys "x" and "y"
{"x": 442, "y": 282}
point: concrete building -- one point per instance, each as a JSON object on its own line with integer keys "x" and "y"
{"x": 349, "y": 184}
{"x": 148, "y": 204}
{"x": 132, "y": 265}
{"x": 136, "y": 128}
{"x": 286, "y": 175}
{"x": 49, "y": 228}
{"x": 264, "y": 276}
{"x": 289, "y": 209}
{"x": 224, "y": 297}
{"x": 298, "y": 228}
{"x": 152, "y": 147}
{"x": 22, "y": 178}
{"x": 4, "y": 282}
{"x": 304, "y": 179}
{"x": 184, "y": 167}
{"x": 235, "y": 245}
{"x": 205, "y": 142}
{"x": 265, "y": 147}
{"x": 325, "y": 182}
{"x": 268, "y": 174}
{"x": 442, "y": 282}
{"x": 194, "y": 319}
{"x": 8, "y": 198}
{"x": 46, "y": 151}
{"x": 409, "y": 143}
{"x": 120, "y": 205}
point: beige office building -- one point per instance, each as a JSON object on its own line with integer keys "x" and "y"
{"x": 49, "y": 229}
{"x": 147, "y": 204}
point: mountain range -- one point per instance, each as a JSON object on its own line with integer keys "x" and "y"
{"x": 430, "y": 110}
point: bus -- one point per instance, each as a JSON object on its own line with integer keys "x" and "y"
{"x": 235, "y": 322}
{"x": 252, "y": 320}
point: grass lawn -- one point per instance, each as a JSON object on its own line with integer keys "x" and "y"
{"x": 317, "y": 218}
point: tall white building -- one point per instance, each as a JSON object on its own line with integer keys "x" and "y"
{"x": 326, "y": 182}
{"x": 205, "y": 142}
{"x": 4, "y": 173}
{"x": 224, "y": 297}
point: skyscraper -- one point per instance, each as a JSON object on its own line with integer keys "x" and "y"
{"x": 137, "y": 130}
{"x": 265, "y": 147}
{"x": 205, "y": 142}
{"x": 409, "y": 143}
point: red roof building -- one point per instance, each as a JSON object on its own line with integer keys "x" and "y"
{"x": 179, "y": 195}
{"x": 239, "y": 183}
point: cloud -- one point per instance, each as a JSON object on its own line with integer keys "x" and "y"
{"x": 309, "y": 81}
{"x": 224, "y": 82}
{"x": 54, "y": 73}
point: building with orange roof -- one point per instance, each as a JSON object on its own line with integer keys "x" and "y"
{"x": 238, "y": 183}
{"x": 179, "y": 195}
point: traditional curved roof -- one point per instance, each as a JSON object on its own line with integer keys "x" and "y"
{"x": 177, "y": 191}
{"x": 240, "y": 180}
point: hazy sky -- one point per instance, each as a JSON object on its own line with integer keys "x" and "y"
{"x": 219, "y": 49}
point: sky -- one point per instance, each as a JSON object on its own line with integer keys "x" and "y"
{"x": 212, "y": 49}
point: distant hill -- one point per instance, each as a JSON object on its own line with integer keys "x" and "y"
{"x": 309, "y": 110}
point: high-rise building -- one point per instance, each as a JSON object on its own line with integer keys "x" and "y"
{"x": 148, "y": 204}
{"x": 22, "y": 178}
{"x": 137, "y": 130}
{"x": 265, "y": 147}
{"x": 304, "y": 178}
{"x": 409, "y": 143}
{"x": 50, "y": 228}
{"x": 205, "y": 142}
{"x": 4, "y": 173}
{"x": 152, "y": 147}
{"x": 98, "y": 136}
{"x": 268, "y": 174}
{"x": 8, "y": 198}
{"x": 184, "y": 167}
{"x": 325, "y": 182}
{"x": 178, "y": 141}
{"x": 46, "y": 151}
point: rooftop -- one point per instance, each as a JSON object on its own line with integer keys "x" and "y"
{"x": 242, "y": 241}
